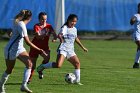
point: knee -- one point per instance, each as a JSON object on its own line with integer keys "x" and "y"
{"x": 29, "y": 65}
{"x": 77, "y": 65}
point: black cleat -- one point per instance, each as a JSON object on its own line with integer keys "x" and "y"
{"x": 39, "y": 70}
{"x": 40, "y": 75}
{"x": 136, "y": 65}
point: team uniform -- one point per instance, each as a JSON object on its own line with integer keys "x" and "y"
{"x": 41, "y": 43}
{"x": 15, "y": 45}
{"x": 136, "y": 37}
{"x": 136, "y": 34}
{"x": 67, "y": 47}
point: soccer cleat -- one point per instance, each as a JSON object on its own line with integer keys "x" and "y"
{"x": 39, "y": 70}
{"x": 136, "y": 65}
{"x": 24, "y": 88}
{"x": 40, "y": 75}
{"x": 2, "y": 89}
{"x": 78, "y": 83}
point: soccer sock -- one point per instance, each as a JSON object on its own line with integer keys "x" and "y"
{"x": 4, "y": 78}
{"x": 26, "y": 75}
{"x": 137, "y": 57}
{"x": 48, "y": 65}
{"x": 32, "y": 72}
{"x": 77, "y": 74}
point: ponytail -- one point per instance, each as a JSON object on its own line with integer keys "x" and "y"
{"x": 22, "y": 15}
{"x": 66, "y": 23}
{"x": 19, "y": 16}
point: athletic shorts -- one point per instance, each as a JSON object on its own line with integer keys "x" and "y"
{"x": 136, "y": 37}
{"x": 67, "y": 54}
{"x": 12, "y": 54}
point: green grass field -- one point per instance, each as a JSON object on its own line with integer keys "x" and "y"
{"x": 106, "y": 68}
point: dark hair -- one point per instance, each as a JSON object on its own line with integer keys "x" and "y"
{"x": 70, "y": 17}
{"x": 22, "y": 15}
{"x": 41, "y": 14}
{"x": 138, "y": 7}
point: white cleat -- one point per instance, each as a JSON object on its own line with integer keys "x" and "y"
{"x": 25, "y": 89}
{"x": 78, "y": 83}
{"x": 2, "y": 89}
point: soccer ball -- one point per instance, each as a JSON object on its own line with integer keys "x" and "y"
{"x": 70, "y": 78}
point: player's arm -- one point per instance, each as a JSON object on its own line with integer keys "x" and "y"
{"x": 60, "y": 36}
{"x": 132, "y": 20}
{"x": 28, "y": 42}
{"x": 80, "y": 44}
{"x": 23, "y": 33}
{"x": 54, "y": 35}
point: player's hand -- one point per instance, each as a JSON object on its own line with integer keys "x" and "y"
{"x": 54, "y": 40}
{"x": 85, "y": 49}
{"x": 43, "y": 52}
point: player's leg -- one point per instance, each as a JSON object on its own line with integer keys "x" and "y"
{"x": 137, "y": 57}
{"x": 33, "y": 60}
{"x": 74, "y": 60}
{"x": 45, "y": 61}
{"x": 59, "y": 61}
{"x": 46, "y": 58}
{"x": 33, "y": 56}
{"x": 9, "y": 67}
{"x": 24, "y": 57}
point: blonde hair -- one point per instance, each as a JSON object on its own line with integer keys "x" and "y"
{"x": 23, "y": 14}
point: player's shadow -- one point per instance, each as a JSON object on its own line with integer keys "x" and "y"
{"x": 13, "y": 83}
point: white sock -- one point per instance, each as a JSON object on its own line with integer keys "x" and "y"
{"x": 4, "y": 78}
{"x": 77, "y": 74}
{"x": 137, "y": 57}
{"x": 26, "y": 75}
{"x": 48, "y": 65}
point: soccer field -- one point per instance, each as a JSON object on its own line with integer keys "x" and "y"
{"x": 106, "y": 68}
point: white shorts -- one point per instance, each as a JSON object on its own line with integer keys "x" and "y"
{"x": 66, "y": 53}
{"x": 136, "y": 37}
{"x": 12, "y": 54}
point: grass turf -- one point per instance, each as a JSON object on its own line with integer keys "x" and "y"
{"x": 106, "y": 68}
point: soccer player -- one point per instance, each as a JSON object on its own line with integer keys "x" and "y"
{"x": 135, "y": 20}
{"x": 15, "y": 49}
{"x": 67, "y": 36}
{"x": 43, "y": 30}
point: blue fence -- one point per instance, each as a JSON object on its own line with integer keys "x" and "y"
{"x": 94, "y": 15}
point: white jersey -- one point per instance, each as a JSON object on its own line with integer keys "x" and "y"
{"x": 69, "y": 35}
{"x": 136, "y": 34}
{"x": 15, "y": 45}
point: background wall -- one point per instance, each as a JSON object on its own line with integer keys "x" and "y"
{"x": 94, "y": 15}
